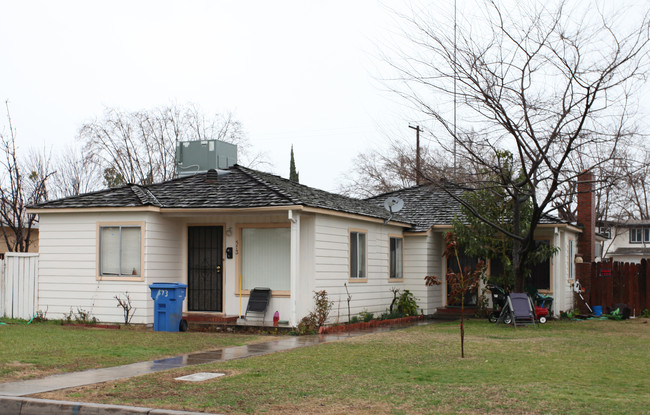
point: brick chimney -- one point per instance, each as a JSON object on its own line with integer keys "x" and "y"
{"x": 586, "y": 216}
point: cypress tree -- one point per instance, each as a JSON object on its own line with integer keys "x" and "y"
{"x": 294, "y": 176}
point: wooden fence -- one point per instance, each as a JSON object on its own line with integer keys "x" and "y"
{"x": 610, "y": 283}
{"x": 19, "y": 285}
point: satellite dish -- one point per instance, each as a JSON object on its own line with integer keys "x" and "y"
{"x": 393, "y": 204}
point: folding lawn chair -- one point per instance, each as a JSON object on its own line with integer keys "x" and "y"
{"x": 521, "y": 308}
{"x": 258, "y": 301}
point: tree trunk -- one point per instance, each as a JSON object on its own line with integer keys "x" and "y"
{"x": 517, "y": 263}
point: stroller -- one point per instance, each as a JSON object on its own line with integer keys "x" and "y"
{"x": 499, "y": 302}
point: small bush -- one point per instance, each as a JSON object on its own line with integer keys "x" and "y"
{"x": 406, "y": 304}
{"x": 389, "y": 315}
{"x": 127, "y": 308}
{"x": 81, "y": 317}
{"x": 40, "y": 317}
{"x": 645, "y": 313}
{"x": 366, "y": 316}
{"x": 317, "y": 318}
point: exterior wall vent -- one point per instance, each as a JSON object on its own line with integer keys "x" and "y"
{"x": 200, "y": 156}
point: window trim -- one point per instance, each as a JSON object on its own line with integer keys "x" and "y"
{"x": 238, "y": 256}
{"x": 350, "y": 277}
{"x": 125, "y": 224}
{"x": 390, "y": 278}
{"x": 642, "y": 231}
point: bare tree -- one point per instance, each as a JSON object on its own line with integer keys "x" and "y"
{"x": 540, "y": 80}
{"x": 19, "y": 188}
{"x": 140, "y": 147}
{"x": 380, "y": 170}
{"x": 73, "y": 175}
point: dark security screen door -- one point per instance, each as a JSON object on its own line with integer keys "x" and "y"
{"x": 204, "y": 273}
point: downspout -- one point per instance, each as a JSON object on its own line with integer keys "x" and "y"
{"x": 559, "y": 274}
{"x": 294, "y": 265}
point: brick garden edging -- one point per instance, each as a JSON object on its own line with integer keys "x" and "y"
{"x": 368, "y": 324}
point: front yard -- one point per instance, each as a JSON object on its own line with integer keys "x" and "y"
{"x": 41, "y": 349}
{"x": 562, "y": 367}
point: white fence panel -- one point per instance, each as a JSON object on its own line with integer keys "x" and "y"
{"x": 19, "y": 285}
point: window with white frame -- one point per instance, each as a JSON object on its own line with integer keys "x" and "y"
{"x": 639, "y": 235}
{"x": 120, "y": 251}
{"x": 358, "y": 255}
{"x": 396, "y": 257}
{"x": 266, "y": 258}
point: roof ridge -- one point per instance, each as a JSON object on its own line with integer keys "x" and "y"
{"x": 252, "y": 173}
{"x": 143, "y": 195}
{"x": 150, "y": 193}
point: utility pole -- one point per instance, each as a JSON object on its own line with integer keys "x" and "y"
{"x": 455, "y": 103}
{"x": 417, "y": 153}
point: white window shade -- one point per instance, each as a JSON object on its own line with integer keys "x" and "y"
{"x": 265, "y": 258}
{"x": 110, "y": 250}
{"x": 120, "y": 250}
{"x": 130, "y": 251}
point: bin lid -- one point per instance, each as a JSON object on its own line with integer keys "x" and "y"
{"x": 167, "y": 285}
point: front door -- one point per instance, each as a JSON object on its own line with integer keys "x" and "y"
{"x": 204, "y": 268}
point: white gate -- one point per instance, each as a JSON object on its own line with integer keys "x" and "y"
{"x": 19, "y": 285}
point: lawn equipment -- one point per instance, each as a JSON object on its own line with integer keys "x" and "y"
{"x": 541, "y": 313}
{"x": 543, "y": 304}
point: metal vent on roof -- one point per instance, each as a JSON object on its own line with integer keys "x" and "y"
{"x": 212, "y": 176}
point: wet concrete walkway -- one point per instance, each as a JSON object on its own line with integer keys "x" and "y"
{"x": 92, "y": 376}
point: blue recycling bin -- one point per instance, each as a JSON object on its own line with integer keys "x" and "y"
{"x": 168, "y": 305}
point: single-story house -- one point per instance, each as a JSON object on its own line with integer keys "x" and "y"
{"x": 225, "y": 232}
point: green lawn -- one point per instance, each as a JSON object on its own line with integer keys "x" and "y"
{"x": 45, "y": 348}
{"x": 561, "y": 367}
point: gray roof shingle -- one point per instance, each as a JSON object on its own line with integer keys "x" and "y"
{"x": 424, "y": 206}
{"x": 427, "y": 205}
{"x": 237, "y": 187}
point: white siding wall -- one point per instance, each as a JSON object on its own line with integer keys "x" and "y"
{"x": 331, "y": 267}
{"x": 417, "y": 256}
{"x": 68, "y": 265}
{"x": 437, "y": 296}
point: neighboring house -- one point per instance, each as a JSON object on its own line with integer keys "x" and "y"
{"x": 33, "y": 237}
{"x": 627, "y": 241}
{"x": 224, "y": 233}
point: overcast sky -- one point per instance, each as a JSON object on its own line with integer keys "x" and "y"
{"x": 302, "y": 72}
{"x": 293, "y": 72}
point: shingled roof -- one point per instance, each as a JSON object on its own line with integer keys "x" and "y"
{"x": 427, "y": 205}
{"x": 237, "y": 187}
{"x": 424, "y": 206}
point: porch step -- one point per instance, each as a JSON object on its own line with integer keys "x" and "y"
{"x": 209, "y": 318}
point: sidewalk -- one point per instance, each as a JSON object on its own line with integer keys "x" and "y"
{"x": 11, "y": 393}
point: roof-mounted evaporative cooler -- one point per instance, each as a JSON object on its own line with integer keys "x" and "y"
{"x": 202, "y": 155}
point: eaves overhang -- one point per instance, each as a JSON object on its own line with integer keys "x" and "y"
{"x": 219, "y": 211}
